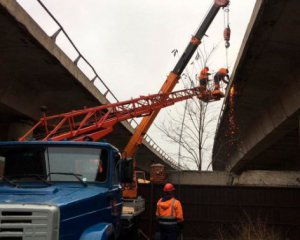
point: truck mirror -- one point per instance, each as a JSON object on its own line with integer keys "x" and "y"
{"x": 126, "y": 170}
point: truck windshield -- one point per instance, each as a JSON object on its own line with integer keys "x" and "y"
{"x": 61, "y": 163}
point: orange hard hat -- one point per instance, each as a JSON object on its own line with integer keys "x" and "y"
{"x": 223, "y": 70}
{"x": 169, "y": 187}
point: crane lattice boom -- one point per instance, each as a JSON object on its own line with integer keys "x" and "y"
{"x": 97, "y": 122}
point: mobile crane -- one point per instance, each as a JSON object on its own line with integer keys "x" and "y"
{"x": 74, "y": 174}
{"x": 172, "y": 80}
{"x": 57, "y": 189}
{"x": 96, "y": 122}
{"x": 174, "y": 76}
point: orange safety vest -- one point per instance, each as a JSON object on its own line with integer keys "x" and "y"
{"x": 203, "y": 74}
{"x": 169, "y": 212}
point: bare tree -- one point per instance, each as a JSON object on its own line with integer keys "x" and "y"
{"x": 193, "y": 137}
{"x": 189, "y": 128}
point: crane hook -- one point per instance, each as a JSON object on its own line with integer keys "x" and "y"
{"x": 227, "y": 33}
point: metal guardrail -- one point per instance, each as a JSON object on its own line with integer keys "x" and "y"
{"x": 132, "y": 122}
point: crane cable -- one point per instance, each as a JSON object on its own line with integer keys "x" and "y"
{"x": 227, "y": 32}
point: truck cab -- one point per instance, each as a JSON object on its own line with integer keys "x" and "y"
{"x": 60, "y": 190}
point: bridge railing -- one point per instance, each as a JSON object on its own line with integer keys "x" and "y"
{"x": 107, "y": 92}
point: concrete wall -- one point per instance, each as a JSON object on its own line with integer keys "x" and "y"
{"x": 247, "y": 178}
{"x": 212, "y": 210}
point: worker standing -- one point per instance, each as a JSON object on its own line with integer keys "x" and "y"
{"x": 169, "y": 214}
{"x": 203, "y": 78}
{"x": 220, "y": 76}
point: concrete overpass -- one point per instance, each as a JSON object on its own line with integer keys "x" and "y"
{"x": 259, "y": 125}
{"x": 34, "y": 71}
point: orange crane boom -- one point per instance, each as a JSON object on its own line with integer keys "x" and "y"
{"x": 96, "y": 122}
{"x": 174, "y": 76}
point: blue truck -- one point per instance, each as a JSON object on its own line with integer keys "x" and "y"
{"x": 62, "y": 190}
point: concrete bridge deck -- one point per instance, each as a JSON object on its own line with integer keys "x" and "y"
{"x": 34, "y": 71}
{"x": 259, "y": 128}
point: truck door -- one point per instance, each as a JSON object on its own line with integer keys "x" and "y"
{"x": 116, "y": 192}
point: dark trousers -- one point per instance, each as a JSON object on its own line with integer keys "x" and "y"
{"x": 168, "y": 232}
{"x": 203, "y": 82}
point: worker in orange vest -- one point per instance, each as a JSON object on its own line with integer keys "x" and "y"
{"x": 203, "y": 78}
{"x": 169, "y": 214}
{"x": 220, "y": 76}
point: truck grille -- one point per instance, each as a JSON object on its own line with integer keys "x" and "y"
{"x": 28, "y": 222}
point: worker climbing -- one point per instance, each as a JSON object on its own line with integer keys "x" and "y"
{"x": 169, "y": 214}
{"x": 203, "y": 79}
{"x": 221, "y": 75}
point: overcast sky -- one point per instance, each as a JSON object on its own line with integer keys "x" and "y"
{"x": 129, "y": 42}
